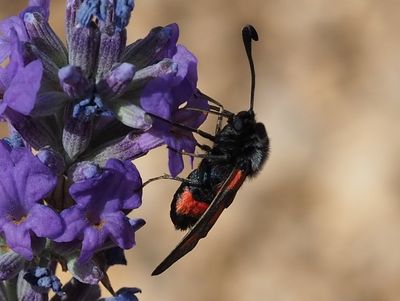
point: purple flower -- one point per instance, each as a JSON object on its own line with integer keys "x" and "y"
{"x": 101, "y": 202}
{"x": 24, "y": 183}
{"x": 19, "y": 84}
{"x": 164, "y": 96}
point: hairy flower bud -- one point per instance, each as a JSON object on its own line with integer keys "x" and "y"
{"x": 76, "y": 136}
{"x": 45, "y": 39}
{"x": 88, "y": 272}
{"x": 74, "y": 82}
{"x": 11, "y": 263}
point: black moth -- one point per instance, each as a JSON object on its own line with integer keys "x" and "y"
{"x": 239, "y": 151}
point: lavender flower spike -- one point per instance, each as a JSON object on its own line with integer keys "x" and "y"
{"x": 88, "y": 108}
{"x": 25, "y": 181}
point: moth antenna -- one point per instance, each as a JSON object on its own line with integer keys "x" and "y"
{"x": 249, "y": 33}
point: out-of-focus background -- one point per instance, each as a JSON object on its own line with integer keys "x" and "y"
{"x": 322, "y": 220}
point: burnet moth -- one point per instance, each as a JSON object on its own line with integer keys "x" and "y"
{"x": 239, "y": 150}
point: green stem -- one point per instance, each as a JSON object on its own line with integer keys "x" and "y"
{"x": 11, "y": 289}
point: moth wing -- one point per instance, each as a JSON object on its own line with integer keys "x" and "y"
{"x": 222, "y": 200}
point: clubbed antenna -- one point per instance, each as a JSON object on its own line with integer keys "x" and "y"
{"x": 249, "y": 33}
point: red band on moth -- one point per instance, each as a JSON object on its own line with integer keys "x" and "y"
{"x": 237, "y": 180}
{"x": 187, "y": 205}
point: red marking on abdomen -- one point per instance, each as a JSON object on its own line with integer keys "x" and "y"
{"x": 187, "y": 205}
{"x": 237, "y": 180}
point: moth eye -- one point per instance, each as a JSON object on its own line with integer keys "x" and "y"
{"x": 237, "y": 124}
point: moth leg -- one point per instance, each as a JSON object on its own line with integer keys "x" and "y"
{"x": 203, "y": 147}
{"x": 182, "y": 152}
{"x": 169, "y": 177}
{"x": 207, "y": 155}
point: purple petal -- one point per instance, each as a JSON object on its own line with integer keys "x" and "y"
{"x": 192, "y": 118}
{"x": 34, "y": 179}
{"x": 4, "y": 78}
{"x": 44, "y": 221}
{"x": 170, "y": 48}
{"x": 75, "y": 221}
{"x": 135, "y": 201}
{"x": 5, "y": 157}
{"x": 120, "y": 229}
{"x": 93, "y": 239}
{"x": 13, "y": 23}
{"x": 117, "y": 187}
{"x": 82, "y": 191}
{"x": 182, "y": 143}
{"x": 130, "y": 193}
{"x": 18, "y": 238}
{"x": 186, "y": 79}
{"x": 156, "y": 97}
{"x": 175, "y": 162}
{"x": 163, "y": 95}
{"x": 8, "y": 191}
{"x": 21, "y": 94}
{"x": 5, "y": 49}
{"x": 16, "y": 55}
{"x": 127, "y": 169}
{"x": 3, "y": 107}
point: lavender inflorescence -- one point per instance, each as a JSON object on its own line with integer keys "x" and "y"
{"x": 79, "y": 114}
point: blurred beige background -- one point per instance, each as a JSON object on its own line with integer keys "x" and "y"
{"x": 322, "y": 221}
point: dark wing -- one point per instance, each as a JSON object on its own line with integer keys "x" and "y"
{"x": 222, "y": 200}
